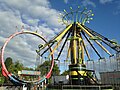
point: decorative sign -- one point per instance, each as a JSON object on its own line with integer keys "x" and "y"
{"x": 27, "y": 72}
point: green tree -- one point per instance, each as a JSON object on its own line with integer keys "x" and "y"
{"x": 8, "y": 63}
{"x": 10, "y": 67}
{"x": 44, "y": 68}
{"x": 17, "y": 67}
{"x": 26, "y": 68}
{"x": 2, "y": 78}
{"x": 66, "y": 72}
{"x": 56, "y": 70}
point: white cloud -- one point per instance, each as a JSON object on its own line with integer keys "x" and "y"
{"x": 66, "y": 1}
{"x": 105, "y": 1}
{"x": 50, "y": 16}
{"x": 34, "y": 10}
{"x": 8, "y": 22}
{"x": 36, "y": 15}
{"x": 117, "y": 12}
{"x": 88, "y": 2}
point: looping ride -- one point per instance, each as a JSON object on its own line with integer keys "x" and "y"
{"x": 11, "y": 76}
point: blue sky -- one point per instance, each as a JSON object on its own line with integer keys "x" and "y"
{"x": 106, "y": 20}
{"x": 42, "y": 15}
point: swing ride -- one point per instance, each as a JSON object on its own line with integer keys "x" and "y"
{"x": 82, "y": 71}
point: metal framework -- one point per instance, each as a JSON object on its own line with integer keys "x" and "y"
{"x": 75, "y": 34}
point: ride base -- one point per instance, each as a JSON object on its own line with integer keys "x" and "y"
{"x": 80, "y": 87}
{"x": 79, "y": 79}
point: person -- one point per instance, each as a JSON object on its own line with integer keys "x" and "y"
{"x": 24, "y": 87}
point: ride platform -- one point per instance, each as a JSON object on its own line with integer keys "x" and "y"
{"x": 79, "y": 87}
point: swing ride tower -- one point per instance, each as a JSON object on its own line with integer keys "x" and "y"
{"x": 77, "y": 68}
{"x": 78, "y": 74}
{"x": 77, "y": 33}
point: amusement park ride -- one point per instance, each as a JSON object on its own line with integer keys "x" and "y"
{"x": 76, "y": 34}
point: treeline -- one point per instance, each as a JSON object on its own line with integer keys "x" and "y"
{"x": 14, "y": 67}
